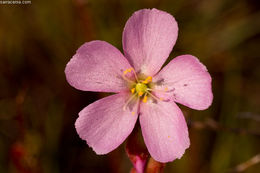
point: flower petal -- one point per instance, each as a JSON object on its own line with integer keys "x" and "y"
{"x": 148, "y": 38}
{"x": 97, "y": 66}
{"x": 188, "y": 82}
{"x": 104, "y": 124}
{"x": 164, "y": 130}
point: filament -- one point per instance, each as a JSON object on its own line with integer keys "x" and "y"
{"x": 128, "y": 101}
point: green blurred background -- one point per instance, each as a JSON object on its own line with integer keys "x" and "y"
{"x": 38, "y": 107}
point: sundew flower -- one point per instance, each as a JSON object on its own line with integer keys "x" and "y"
{"x": 142, "y": 89}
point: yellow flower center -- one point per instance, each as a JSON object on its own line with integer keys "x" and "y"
{"x": 140, "y": 88}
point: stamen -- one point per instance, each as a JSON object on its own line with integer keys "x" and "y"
{"x": 140, "y": 93}
{"x": 156, "y": 90}
{"x": 147, "y": 80}
{"x": 123, "y": 76}
{"x": 128, "y": 101}
{"x": 136, "y": 78}
{"x": 133, "y": 90}
{"x": 128, "y": 71}
{"x": 145, "y": 98}
{"x": 155, "y": 97}
{"x": 133, "y": 113}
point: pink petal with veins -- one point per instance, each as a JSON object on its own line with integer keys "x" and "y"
{"x": 164, "y": 130}
{"x": 188, "y": 82}
{"x": 104, "y": 124}
{"x": 148, "y": 39}
{"x": 97, "y": 66}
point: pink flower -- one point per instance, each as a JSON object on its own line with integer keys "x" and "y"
{"x": 140, "y": 87}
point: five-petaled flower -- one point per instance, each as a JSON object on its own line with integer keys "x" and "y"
{"x": 141, "y": 88}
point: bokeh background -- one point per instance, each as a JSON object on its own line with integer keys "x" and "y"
{"x": 38, "y": 107}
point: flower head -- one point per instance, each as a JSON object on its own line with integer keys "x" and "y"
{"x": 141, "y": 88}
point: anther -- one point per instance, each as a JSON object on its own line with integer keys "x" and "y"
{"x": 145, "y": 98}
{"x": 128, "y": 71}
{"x": 140, "y": 93}
{"x": 124, "y": 75}
{"x": 133, "y": 90}
{"x": 147, "y": 80}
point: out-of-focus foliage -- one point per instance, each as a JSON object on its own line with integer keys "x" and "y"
{"x": 38, "y": 108}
